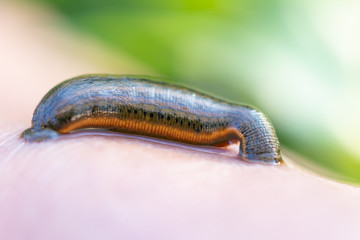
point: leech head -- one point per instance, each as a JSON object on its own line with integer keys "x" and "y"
{"x": 259, "y": 142}
{"x": 272, "y": 156}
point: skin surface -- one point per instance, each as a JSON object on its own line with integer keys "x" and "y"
{"x": 105, "y": 187}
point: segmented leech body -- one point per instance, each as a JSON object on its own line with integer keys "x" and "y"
{"x": 137, "y": 105}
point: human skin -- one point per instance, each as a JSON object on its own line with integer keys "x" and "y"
{"x": 119, "y": 187}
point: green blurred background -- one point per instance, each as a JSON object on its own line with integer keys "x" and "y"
{"x": 297, "y": 60}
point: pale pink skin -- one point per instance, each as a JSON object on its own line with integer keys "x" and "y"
{"x": 106, "y": 187}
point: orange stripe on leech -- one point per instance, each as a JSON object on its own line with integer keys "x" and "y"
{"x": 163, "y": 130}
{"x": 141, "y": 126}
{"x": 159, "y": 129}
{"x": 176, "y": 133}
{"x": 154, "y": 129}
{"x": 167, "y": 131}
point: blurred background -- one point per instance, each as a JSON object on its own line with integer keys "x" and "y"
{"x": 296, "y": 60}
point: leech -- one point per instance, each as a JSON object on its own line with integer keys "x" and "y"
{"x": 139, "y": 105}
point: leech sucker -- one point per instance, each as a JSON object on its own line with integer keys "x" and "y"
{"x": 139, "y": 105}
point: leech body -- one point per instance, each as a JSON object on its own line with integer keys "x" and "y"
{"x": 134, "y": 104}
